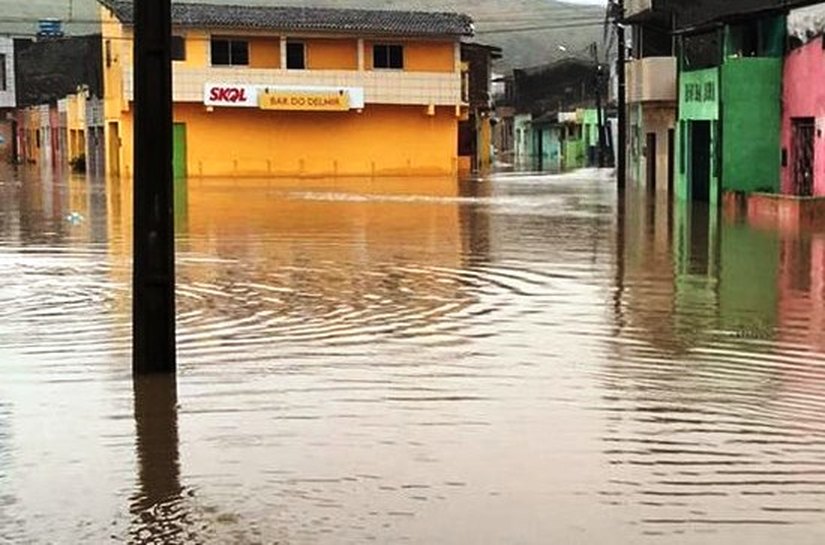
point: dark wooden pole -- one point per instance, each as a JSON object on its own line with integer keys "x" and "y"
{"x": 621, "y": 156}
{"x": 153, "y": 303}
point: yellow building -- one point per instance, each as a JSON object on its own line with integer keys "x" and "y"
{"x": 76, "y": 125}
{"x": 274, "y": 91}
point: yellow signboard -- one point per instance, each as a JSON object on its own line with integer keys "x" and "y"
{"x": 315, "y": 101}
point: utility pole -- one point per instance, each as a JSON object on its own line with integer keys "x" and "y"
{"x": 599, "y": 110}
{"x": 153, "y": 274}
{"x": 621, "y": 151}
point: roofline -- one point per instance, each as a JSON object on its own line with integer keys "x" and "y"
{"x": 711, "y": 24}
{"x": 470, "y": 33}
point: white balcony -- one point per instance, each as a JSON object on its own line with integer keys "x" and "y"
{"x": 634, "y": 8}
{"x": 652, "y": 79}
{"x": 380, "y": 87}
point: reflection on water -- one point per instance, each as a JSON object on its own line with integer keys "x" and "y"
{"x": 157, "y": 505}
{"x": 716, "y": 430}
{"x": 524, "y": 359}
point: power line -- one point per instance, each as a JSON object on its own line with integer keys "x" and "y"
{"x": 583, "y": 24}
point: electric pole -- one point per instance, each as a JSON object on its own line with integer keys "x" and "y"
{"x": 153, "y": 273}
{"x": 599, "y": 110}
{"x": 621, "y": 155}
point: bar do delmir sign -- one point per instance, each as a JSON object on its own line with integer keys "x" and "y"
{"x": 315, "y": 101}
{"x": 325, "y": 99}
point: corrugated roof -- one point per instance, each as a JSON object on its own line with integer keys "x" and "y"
{"x": 299, "y": 19}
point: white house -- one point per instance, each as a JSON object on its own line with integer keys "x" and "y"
{"x": 7, "y": 95}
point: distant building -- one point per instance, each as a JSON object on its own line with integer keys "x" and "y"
{"x": 547, "y": 112}
{"x": 53, "y": 76}
{"x": 269, "y": 91}
{"x": 475, "y": 133}
{"x": 8, "y": 99}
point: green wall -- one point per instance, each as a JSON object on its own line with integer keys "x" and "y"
{"x": 751, "y": 126}
{"x": 699, "y": 94}
{"x": 590, "y": 126}
{"x": 574, "y": 155}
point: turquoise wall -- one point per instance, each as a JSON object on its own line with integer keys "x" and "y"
{"x": 751, "y": 125}
{"x": 547, "y": 146}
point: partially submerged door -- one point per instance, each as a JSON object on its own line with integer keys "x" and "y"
{"x": 700, "y": 143}
{"x": 179, "y": 155}
{"x": 650, "y": 161}
{"x": 803, "y": 156}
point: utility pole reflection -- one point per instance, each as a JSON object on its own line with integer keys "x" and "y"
{"x": 158, "y": 512}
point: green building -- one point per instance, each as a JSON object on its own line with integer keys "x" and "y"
{"x": 730, "y": 88}
{"x": 590, "y": 135}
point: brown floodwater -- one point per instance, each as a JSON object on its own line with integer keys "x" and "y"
{"x": 515, "y": 360}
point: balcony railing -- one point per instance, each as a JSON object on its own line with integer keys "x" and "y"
{"x": 651, "y": 79}
{"x": 380, "y": 87}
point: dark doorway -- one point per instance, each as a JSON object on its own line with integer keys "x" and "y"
{"x": 14, "y": 150}
{"x": 803, "y": 156}
{"x": 650, "y": 161}
{"x": 700, "y": 160}
{"x": 671, "y": 159}
{"x": 539, "y": 148}
{"x": 114, "y": 149}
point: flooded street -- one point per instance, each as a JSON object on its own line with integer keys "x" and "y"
{"x": 518, "y": 360}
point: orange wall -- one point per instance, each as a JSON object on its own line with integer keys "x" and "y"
{"x": 332, "y": 54}
{"x": 420, "y": 56}
{"x": 265, "y": 52}
{"x": 429, "y": 57}
{"x": 197, "y": 48}
{"x": 383, "y": 140}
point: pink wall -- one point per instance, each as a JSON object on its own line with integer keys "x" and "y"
{"x": 804, "y": 96}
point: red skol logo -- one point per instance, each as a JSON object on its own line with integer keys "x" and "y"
{"x": 233, "y": 95}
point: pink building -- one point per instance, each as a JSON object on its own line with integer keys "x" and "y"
{"x": 803, "y": 121}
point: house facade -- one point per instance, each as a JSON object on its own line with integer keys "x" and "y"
{"x": 730, "y": 86}
{"x": 476, "y": 128}
{"x": 8, "y": 99}
{"x": 803, "y": 153}
{"x": 651, "y": 98}
{"x": 269, "y": 91}
{"x": 547, "y": 116}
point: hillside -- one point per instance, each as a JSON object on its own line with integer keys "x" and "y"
{"x": 533, "y": 44}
